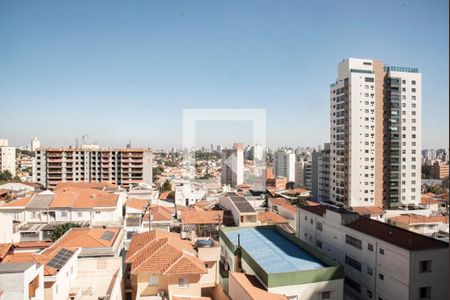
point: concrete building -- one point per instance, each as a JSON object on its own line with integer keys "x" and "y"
{"x": 35, "y": 144}
{"x": 380, "y": 261}
{"x": 439, "y": 170}
{"x": 375, "y": 133}
{"x": 7, "y": 157}
{"x": 244, "y": 214}
{"x": 188, "y": 193}
{"x": 320, "y": 173}
{"x": 123, "y": 167}
{"x": 233, "y": 166}
{"x": 284, "y": 164}
{"x": 283, "y": 265}
{"x": 303, "y": 174}
{"x": 21, "y": 281}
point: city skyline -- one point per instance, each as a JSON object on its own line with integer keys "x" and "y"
{"x": 141, "y": 65}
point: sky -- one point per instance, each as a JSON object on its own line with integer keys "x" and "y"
{"x": 124, "y": 70}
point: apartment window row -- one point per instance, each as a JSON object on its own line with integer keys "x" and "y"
{"x": 353, "y": 263}
{"x": 357, "y": 243}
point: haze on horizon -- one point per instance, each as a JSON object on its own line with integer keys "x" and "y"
{"x": 120, "y": 71}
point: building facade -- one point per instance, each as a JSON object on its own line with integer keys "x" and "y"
{"x": 375, "y": 134}
{"x": 7, "y": 157}
{"x": 320, "y": 174}
{"x": 284, "y": 164}
{"x": 380, "y": 261}
{"x": 124, "y": 167}
{"x": 233, "y": 166}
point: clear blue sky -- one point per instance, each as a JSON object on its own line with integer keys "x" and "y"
{"x": 121, "y": 70}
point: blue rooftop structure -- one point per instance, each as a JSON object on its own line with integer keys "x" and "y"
{"x": 272, "y": 251}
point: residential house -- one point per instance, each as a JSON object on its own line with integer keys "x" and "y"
{"x": 21, "y": 281}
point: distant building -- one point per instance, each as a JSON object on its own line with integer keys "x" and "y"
{"x": 124, "y": 167}
{"x": 233, "y": 166}
{"x": 303, "y": 174}
{"x": 284, "y": 164}
{"x": 439, "y": 170}
{"x": 7, "y": 157}
{"x": 35, "y": 144}
{"x": 320, "y": 174}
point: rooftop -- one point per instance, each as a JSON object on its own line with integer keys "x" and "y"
{"x": 139, "y": 204}
{"x": 272, "y": 251}
{"x": 241, "y": 203}
{"x": 269, "y": 217}
{"x": 418, "y": 219}
{"x": 202, "y": 217}
{"x": 253, "y": 288}
{"x": 396, "y": 236}
{"x": 15, "y": 267}
{"x": 163, "y": 253}
{"x": 368, "y": 210}
{"x": 83, "y": 198}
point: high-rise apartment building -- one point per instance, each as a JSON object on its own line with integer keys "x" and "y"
{"x": 233, "y": 165}
{"x": 375, "y": 134}
{"x": 123, "y": 167}
{"x": 320, "y": 182}
{"x": 35, "y": 144}
{"x": 284, "y": 164}
{"x": 303, "y": 174}
{"x": 7, "y": 157}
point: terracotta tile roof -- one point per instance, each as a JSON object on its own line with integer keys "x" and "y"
{"x": 163, "y": 253}
{"x": 18, "y": 203}
{"x": 139, "y": 204}
{"x": 86, "y": 238}
{"x": 160, "y": 214}
{"x": 202, "y": 217}
{"x": 251, "y": 285}
{"x": 33, "y": 244}
{"x": 294, "y": 192}
{"x": 396, "y": 236}
{"x": 418, "y": 219}
{"x": 83, "y": 198}
{"x": 164, "y": 195}
{"x": 189, "y": 298}
{"x": 318, "y": 209}
{"x": 4, "y": 249}
{"x": 85, "y": 185}
{"x": 278, "y": 201}
{"x": 426, "y": 200}
{"x": 368, "y": 210}
{"x": 269, "y": 217}
{"x": 290, "y": 207}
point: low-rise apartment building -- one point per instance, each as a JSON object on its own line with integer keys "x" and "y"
{"x": 380, "y": 261}
{"x": 283, "y": 264}
{"x": 21, "y": 281}
{"x": 244, "y": 214}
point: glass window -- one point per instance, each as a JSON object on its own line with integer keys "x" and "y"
{"x": 425, "y": 266}
{"x": 183, "y": 283}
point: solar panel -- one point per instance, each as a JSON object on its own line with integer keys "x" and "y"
{"x": 60, "y": 259}
{"x": 107, "y": 235}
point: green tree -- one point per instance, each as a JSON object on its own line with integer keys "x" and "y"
{"x": 6, "y": 176}
{"x": 61, "y": 229}
{"x": 167, "y": 186}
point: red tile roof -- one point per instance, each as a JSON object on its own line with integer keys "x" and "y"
{"x": 290, "y": 207}
{"x": 368, "y": 210}
{"x": 253, "y": 288}
{"x": 85, "y": 185}
{"x": 418, "y": 219}
{"x": 202, "y": 217}
{"x": 18, "y": 203}
{"x": 83, "y": 198}
{"x": 139, "y": 204}
{"x": 160, "y": 214}
{"x": 4, "y": 249}
{"x": 269, "y": 217}
{"x": 163, "y": 253}
{"x": 87, "y": 238}
{"x": 318, "y": 209}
